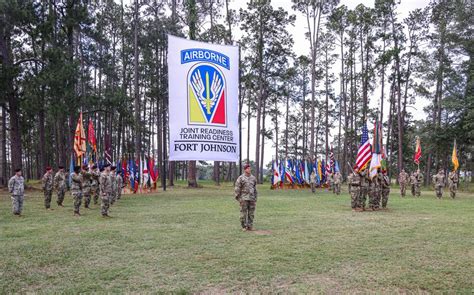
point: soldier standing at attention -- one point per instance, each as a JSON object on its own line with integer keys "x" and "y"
{"x": 76, "y": 189}
{"x": 337, "y": 183}
{"x": 47, "y": 182}
{"x": 330, "y": 181}
{"x": 385, "y": 189}
{"x": 453, "y": 180}
{"x": 16, "y": 187}
{"x": 105, "y": 182}
{"x": 95, "y": 184}
{"x": 438, "y": 181}
{"x": 113, "y": 176}
{"x": 86, "y": 185}
{"x": 60, "y": 185}
{"x": 364, "y": 188}
{"x": 312, "y": 178}
{"x": 403, "y": 180}
{"x": 119, "y": 180}
{"x": 246, "y": 195}
{"x": 354, "y": 181}
{"x": 412, "y": 183}
{"x": 374, "y": 193}
{"x": 418, "y": 181}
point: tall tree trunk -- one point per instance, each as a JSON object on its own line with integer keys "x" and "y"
{"x": 3, "y": 147}
{"x": 248, "y": 131}
{"x": 138, "y": 139}
{"x": 193, "y": 18}
{"x": 399, "y": 97}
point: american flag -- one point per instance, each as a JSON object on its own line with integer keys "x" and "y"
{"x": 364, "y": 155}
{"x": 332, "y": 160}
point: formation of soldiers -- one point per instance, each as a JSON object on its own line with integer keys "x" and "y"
{"x": 416, "y": 180}
{"x": 87, "y": 183}
{"x": 377, "y": 189}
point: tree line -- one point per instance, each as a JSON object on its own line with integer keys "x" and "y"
{"x": 108, "y": 60}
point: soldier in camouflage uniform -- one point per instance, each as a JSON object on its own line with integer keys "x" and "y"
{"x": 120, "y": 186}
{"x": 418, "y": 180}
{"x": 337, "y": 183}
{"x": 403, "y": 179}
{"x": 385, "y": 189}
{"x": 246, "y": 195}
{"x": 364, "y": 188}
{"x": 413, "y": 183}
{"x": 312, "y": 178}
{"x": 374, "y": 192}
{"x": 453, "y": 180}
{"x": 438, "y": 181}
{"x": 76, "y": 189}
{"x": 354, "y": 181}
{"x": 47, "y": 185}
{"x": 95, "y": 184}
{"x": 86, "y": 185}
{"x": 105, "y": 183}
{"x": 16, "y": 187}
{"x": 113, "y": 176}
{"x": 60, "y": 184}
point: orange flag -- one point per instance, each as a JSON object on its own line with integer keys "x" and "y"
{"x": 80, "y": 138}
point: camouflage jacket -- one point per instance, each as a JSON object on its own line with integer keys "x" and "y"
{"x": 385, "y": 182}
{"x": 119, "y": 182}
{"x": 95, "y": 179}
{"x": 113, "y": 178}
{"x": 438, "y": 179}
{"x": 60, "y": 180}
{"x": 16, "y": 185}
{"x": 105, "y": 183}
{"x": 453, "y": 177}
{"x": 403, "y": 177}
{"x": 86, "y": 180}
{"x": 47, "y": 182}
{"x": 354, "y": 180}
{"x": 76, "y": 184}
{"x": 337, "y": 178}
{"x": 364, "y": 181}
{"x": 418, "y": 178}
{"x": 312, "y": 177}
{"x": 246, "y": 188}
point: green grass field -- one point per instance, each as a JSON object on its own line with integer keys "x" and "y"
{"x": 189, "y": 241}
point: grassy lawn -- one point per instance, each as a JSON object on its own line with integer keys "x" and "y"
{"x": 189, "y": 241}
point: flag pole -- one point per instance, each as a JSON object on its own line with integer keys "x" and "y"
{"x": 240, "y": 116}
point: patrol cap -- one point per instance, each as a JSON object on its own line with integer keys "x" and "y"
{"x": 113, "y": 168}
{"x": 106, "y": 165}
{"x": 246, "y": 166}
{"x": 48, "y": 168}
{"x": 60, "y": 167}
{"x": 77, "y": 168}
{"x": 17, "y": 169}
{"x": 85, "y": 167}
{"x": 94, "y": 167}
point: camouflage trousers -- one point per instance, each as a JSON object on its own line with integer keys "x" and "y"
{"x": 17, "y": 204}
{"x": 247, "y": 213}
{"x": 96, "y": 193}
{"x": 119, "y": 194}
{"x": 385, "y": 193}
{"x": 439, "y": 191}
{"x": 413, "y": 190}
{"x": 355, "y": 197}
{"x": 374, "y": 198}
{"x": 453, "y": 188}
{"x": 47, "y": 199}
{"x": 336, "y": 189}
{"x": 87, "y": 198}
{"x": 403, "y": 189}
{"x": 104, "y": 206}
{"x": 418, "y": 189}
{"x": 113, "y": 198}
{"x": 364, "y": 191}
{"x": 61, "y": 193}
{"x": 77, "y": 197}
{"x": 313, "y": 187}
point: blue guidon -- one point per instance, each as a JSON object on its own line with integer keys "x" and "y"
{"x": 199, "y": 54}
